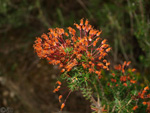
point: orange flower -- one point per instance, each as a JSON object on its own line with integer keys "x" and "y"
{"x": 79, "y": 56}
{"x": 144, "y": 103}
{"x": 84, "y": 66}
{"x": 100, "y": 64}
{"x": 146, "y": 88}
{"x": 118, "y": 67}
{"x": 62, "y": 70}
{"x": 124, "y": 63}
{"x": 98, "y": 33}
{"x": 108, "y": 63}
{"x": 55, "y": 90}
{"x": 113, "y": 74}
{"x": 62, "y": 106}
{"x": 123, "y": 78}
{"x": 113, "y": 80}
{"x": 125, "y": 84}
{"x": 148, "y": 107}
{"x": 60, "y": 97}
{"x": 90, "y": 62}
{"x": 107, "y": 50}
{"x": 135, "y": 107}
{"x": 58, "y": 87}
{"x": 123, "y": 70}
{"x": 104, "y": 41}
{"x": 133, "y": 81}
{"x": 105, "y": 67}
{"x": 133, "y": 70}
{"x": 94, "y": 43}
{"x": 148, "y": 96}
{"x": 128, "y": 63}
{"x": 61, "y": 65}
{"x": 86, "y": 22}
{"x": 91, "y": 70}
{"x": 105, "y": 61}
{"x": 81, "y": 22}
{"x": 98, "y": 73}
{"x": 58, "y": 82}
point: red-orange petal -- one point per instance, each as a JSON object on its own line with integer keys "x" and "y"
{"x": 62, "y": 106}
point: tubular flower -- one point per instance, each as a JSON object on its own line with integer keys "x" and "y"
{"x": 58, "y": 82}
{"x": 144, "y": 103}
{"x": 135, "y": 107}
{"x": 125, "y": 84}
{"x": 123, "y": 78}
{"x": 70, "y": 49}
{"x": 122, "y": 67}
{"x": 60, "y": 97}
{"x": 62, "y": 106}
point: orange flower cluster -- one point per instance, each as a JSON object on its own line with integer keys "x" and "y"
{"x": 113, "y": 80}
{"x": 122, "y": 68}
{"x": 135, "y": 107}
{"x": 70, "y": 49}
{"x": 58, "y": 87}
{"x": 143, "y": 95}
{"x": 124, "y": 77}
{"x": 60, "y": 96}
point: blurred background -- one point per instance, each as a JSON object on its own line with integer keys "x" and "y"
{"x": 27, "y": 83}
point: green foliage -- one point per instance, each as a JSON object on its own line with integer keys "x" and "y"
{"x": 121, "y": 96}
{"x": 118, "y": 90}
{"x": 142, "y": 34}
{"x": 77, "y": 79}
{"x": 68, "y": 50}
{"x": 86, "y": 92}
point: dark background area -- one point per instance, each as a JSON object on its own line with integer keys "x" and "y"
{"x": 27, "y": 83}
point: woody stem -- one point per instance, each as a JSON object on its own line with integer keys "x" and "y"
{"x": 97, "y": 104}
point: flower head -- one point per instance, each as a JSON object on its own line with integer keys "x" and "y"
{"x": 70, "y": 49}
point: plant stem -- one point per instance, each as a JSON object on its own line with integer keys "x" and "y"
{"x": 97, "y": 104}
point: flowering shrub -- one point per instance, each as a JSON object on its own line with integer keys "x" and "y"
{"x": 81, "y": 55}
